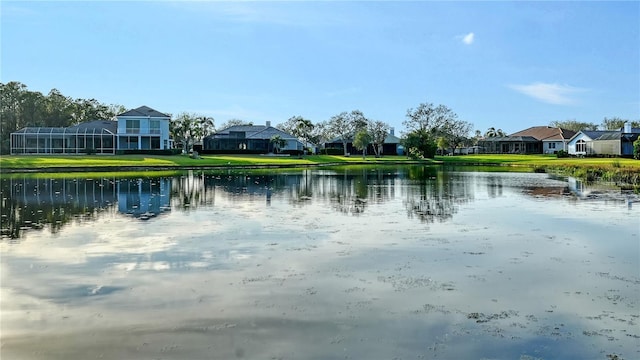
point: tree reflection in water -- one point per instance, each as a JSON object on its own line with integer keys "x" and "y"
{"x": 429, "y": 194}
{"x": 33, "y": 203}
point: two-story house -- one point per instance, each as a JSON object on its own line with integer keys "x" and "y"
{"x": 142, "y": 128}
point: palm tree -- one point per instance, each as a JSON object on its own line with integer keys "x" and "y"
{"x": 492, "y": 132}
{"x": 278, "y": 143}
{"x": 304, "y": 128}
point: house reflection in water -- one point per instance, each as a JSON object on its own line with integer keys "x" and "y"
{"x": 33, "y": 203}
{"x": 144, "y": 198}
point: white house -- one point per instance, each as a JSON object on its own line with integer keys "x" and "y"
{"x": 143, "y": 129}
{"x": 604, "y": 142}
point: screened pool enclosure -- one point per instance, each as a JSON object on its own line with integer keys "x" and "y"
{"x": 97, "y": 137}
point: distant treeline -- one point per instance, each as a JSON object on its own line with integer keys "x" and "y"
{"x": 21, "y": 108}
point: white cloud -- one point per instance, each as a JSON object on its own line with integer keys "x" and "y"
{"x": 550, "y": 93}
{"x": 468, "y": 39}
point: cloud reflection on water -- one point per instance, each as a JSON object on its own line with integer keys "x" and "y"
{"x": 237, "y": 276}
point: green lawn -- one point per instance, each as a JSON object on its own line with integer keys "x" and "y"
{"x": 177, "y": 161}
{"x": 39, "y": 162}
{"x": 541, "y": 160}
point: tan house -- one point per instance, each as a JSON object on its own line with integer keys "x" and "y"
{"x": 534, "y": 140}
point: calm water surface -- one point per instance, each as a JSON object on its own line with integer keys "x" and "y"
{"x": 366, "y": 263}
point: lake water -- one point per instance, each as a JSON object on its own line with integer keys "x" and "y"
{"x": 359, "y": 263}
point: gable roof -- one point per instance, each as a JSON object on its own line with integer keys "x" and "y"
{"x": 595, "y": 135}
{"x": 389, "y": 139}
{"x": 254, "y": 132}
{"x": 144, "y": 111}
{"x": 546, "y": 133}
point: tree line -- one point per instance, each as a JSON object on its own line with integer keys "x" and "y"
{"x": 612, "y": 123}
{"x": 428, "y": 127}
{"x": 21, "y": 108}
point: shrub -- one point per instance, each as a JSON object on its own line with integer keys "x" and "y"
{"x": 636, "y": 149}
{"x": 562, "y": 154}
{"x": 414, "y": 153}
{"x": 149, "y": 152}
{"x": 332, "y": 151}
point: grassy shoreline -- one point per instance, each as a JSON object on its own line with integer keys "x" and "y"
{"x": 619, "y": 170}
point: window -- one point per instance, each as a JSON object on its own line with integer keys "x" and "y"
{"x": 552, "y": 145}
{"x": 154, "y": 127}
{"x": 581, "y": 146}
{"x": 129, "y": 142}
{"x": 133, "y": 126}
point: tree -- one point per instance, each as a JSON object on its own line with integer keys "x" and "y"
{"x": 20, "y": 108}
{"x": 492, "y": 132}
{"x": 345, "y": 125}
{"x": 424, "y": 124}
{"x": 59, "y": 109}
{"x": 378, "y": 131}
{"x": 278, "y": 143}
{"x": 616, "y": 123}
{"x": 10, "y": 116}
{"x": 457, "y": 133}
{"x": 32, "y": 108}
{"x": 420, "y": 144}
{"x": 476, "y": 137}
{"x": 235, "y": 122}
{"x": 442, "y": 143}
{"x": 290, "y": 125}
{"x": 84, "y": 110}
{"x": 362, "y": 141}
{"x": 116, "y": 109}
{"x": 298, "y": 127}
{"x": 303, "y": 130}
{"x": 320, "y": 133}
{"x": 636, "y": 149}
{"x": 187, "y": 129}
{"x": 429, "y": 118}
{"x": 574, "y": 125}
{"x": 207, "y": 126}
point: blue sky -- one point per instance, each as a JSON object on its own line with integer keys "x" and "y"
{"x": 509, "y": 65}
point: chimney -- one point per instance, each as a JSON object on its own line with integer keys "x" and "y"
{"x": 391, "y": 131}
{"x": 627, "y": 127}
{"x": 268, "y": 123}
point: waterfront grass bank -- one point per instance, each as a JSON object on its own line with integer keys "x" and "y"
{"x": 619, "y": 170}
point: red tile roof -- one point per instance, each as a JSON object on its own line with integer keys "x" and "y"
{"x": 547, "y": 133}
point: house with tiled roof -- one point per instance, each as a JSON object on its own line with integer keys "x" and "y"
{"x": 604, "y": 142}
{"x": 249, "y": 139}
{"x": 534, "y": 140}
